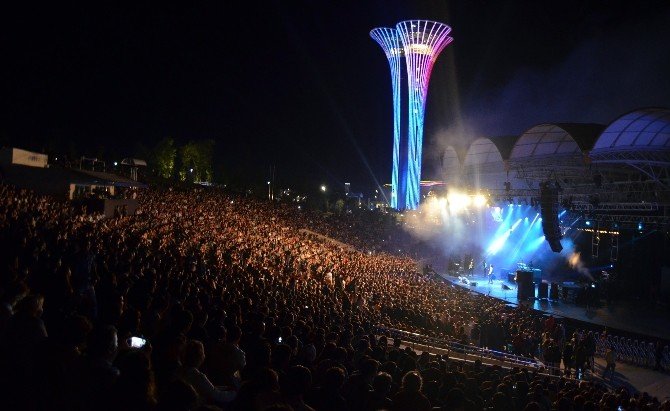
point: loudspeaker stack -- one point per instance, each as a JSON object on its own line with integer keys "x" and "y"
{"x": 525, "y": 288}
{"x": 542, "y": 290}
{"x": 549, "y": 212}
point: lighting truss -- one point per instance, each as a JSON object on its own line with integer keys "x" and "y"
{"x": 588, "y": 207}
{"x": 422, "y": 41}
{"x": 390, "y": 42}
{"x": 660, "y": 157}
{"x": 628, "y": 220}
{"x": 652, "y": 163}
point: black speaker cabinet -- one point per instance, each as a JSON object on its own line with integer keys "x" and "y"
{"x": 542, "y": 290}
{"x": 553, "y": 292}
{"x": 525, "y": 286}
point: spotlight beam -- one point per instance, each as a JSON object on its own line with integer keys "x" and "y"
{"x": 521, "y": 241}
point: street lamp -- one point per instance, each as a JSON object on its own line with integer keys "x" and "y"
{"x": 325, "y": 197}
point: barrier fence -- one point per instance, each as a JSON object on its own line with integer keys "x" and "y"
{"x": 468, "y": 352}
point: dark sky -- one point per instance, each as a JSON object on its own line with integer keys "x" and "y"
{"x": 302, "y": 85}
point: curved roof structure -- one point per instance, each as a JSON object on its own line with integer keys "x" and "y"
{"x": 640, "y": 140}
{"x": 644, "y": 129}
{"x": 557, "y": 139}
{"x": 625, "y": 165}
{"x": 449, "y": 159}
{"x": 482, "y": 151}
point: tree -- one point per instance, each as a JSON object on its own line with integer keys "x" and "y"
{"x": 339, "y": 206}
{"x": 163, "y": 157}
{"x": 196, "y": 160}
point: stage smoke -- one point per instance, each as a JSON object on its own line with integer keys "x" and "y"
{"x": 576, "y": 263}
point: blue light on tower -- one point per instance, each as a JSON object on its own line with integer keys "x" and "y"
{"x": 389, "y": 40}
{"x": 423, "y": 42}
{"x": 414, "y": 44}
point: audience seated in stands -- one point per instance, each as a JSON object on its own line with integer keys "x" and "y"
{"x": 244, "y": 310}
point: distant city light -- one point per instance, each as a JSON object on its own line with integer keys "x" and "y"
{"x": 323, "y": 188}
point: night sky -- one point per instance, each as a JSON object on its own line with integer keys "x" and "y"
{"x": 302, "y": 85}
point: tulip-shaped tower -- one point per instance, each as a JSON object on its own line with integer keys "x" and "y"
{"x": 389, "y": 41}
{"x": 422, "y": 42}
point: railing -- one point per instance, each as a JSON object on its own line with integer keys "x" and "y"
{"x": 467, "y": 352}
{"x": 632, "y": 351}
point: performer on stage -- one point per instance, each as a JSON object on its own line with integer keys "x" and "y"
{"x": 490, "y": 273}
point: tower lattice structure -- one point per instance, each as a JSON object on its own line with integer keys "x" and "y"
{"x": 411, "y": 49}
{"x": 423, "y": 41}
{"x": 390, "y": 42}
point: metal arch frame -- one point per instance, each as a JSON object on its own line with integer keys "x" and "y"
{"x": 660, "y": 157}
{"x": 484, "y": 142}
{"x": 389, "y": 40}
{"x": 639, "y": 115}
{"x": 422, "y": 41}
{"x": 574, "y": 172}
{"x": 450, "y": 167}
{"x": 542, "y": 135}
{"x": 652, "y": 163}
{"x": 650, "y": 160}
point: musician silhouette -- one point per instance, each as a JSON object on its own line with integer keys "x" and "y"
{"x": 490, "y": 273}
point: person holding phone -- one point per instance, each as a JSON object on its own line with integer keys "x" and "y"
{"x": 136, "y": 342}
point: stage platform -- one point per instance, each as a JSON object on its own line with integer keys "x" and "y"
{"x": 623, "y": 315}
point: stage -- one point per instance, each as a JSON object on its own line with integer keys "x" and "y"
{"x": 624, "y": 315}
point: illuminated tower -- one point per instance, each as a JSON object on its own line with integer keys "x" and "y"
{"x": 390, "y": 42}
{"x": 422, "y": 42}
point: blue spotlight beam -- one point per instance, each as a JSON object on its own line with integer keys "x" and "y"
{"x": 520, "y": 243}
{"x": 500, "y": 240}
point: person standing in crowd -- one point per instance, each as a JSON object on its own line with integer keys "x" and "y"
{"x": 658, "y": 355}
{"x": 568, "y": 357}
{"x": 610, "y": 360}
{"x": 580, "y": 359}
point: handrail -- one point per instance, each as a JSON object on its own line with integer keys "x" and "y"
{"x": 505, "y": 358}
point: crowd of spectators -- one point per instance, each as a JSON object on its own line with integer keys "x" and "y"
{"x": 241, "y": 309}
